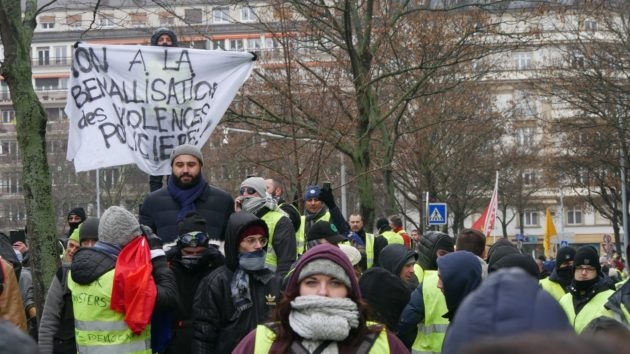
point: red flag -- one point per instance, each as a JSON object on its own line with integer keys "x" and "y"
{"x": 485, "y": 223}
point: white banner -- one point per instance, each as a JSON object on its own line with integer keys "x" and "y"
{"x": 135, "y": 104}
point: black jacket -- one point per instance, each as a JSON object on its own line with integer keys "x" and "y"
{"x": 188, "y": 280}
{"x": 218, "y": 328}
{"x": 89, "y": 264}
{"x": 618, "y": 298}
{"x": 159, "y": 212}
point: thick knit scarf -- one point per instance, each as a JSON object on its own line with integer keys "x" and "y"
{"x": 239, "y": 289}
{"x": 186, "y": 197}
{"x": 321, "y": 318}
{"x": 256, "y": 204}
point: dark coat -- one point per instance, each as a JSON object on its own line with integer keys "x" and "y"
{"x": 159, "y": 212}
{"x": 508, "y": 302}
{"x": 217, "y": 327}
{"x": 619, "y": 297}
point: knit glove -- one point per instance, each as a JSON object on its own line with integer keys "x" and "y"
{"x": 155, "y": 243}
{"x": 356, "y": 239}
{"x": 326, "y": 196}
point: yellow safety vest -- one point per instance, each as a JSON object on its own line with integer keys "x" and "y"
{"x": 369, "y": 249}
{"x": 271, "y": 218}
{"x": 432, "y": 330}
{"x": 265, "y": 337}
{"x": 593, "y": 309}
{"x": 300, "y": 235}
{"x": 98, "y": 328}
{"x": 553, "y": 288}
{"x": 419, "y": 272}
{"x": 393, "y": 238}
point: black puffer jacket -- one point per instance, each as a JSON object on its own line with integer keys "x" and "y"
{"x": 429, "y": 244}
{"x": 159, "y": 212}
{"x": 218, "y": 327}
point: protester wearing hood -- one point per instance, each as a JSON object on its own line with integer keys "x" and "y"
{"x": 319, "y": 205}
{"x": 186, "y": 191}
{"x": 588, "y": 292}
{"x": 164, "y": 37}
{"x": 399, "y": 260}
{"x": 191, "y": 260}
{"x": 253, "y": 198}
{"x": 459, "y": 274}
{"x": 239, "y": 295}
{"x": 100, "y": 274}
{"x": 321, "y": 312}
{"x": 421, "y": 324}
{"x": 384, "y": 306}
{"x": 75, "y": 217}
{"x": 560, "y": 278}
{"x": 56, "y": 329}
{"x": 507, "y": 303}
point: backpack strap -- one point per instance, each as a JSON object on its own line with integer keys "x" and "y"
{"x": 368, "y": 341}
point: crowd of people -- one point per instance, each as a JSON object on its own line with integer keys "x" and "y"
{"x": 198, "y": 271}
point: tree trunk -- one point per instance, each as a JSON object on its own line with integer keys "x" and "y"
{"x": 17, "y": 33}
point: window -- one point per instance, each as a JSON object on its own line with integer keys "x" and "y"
{"x": 590, "y": 25}
{"x": 106, "y": 20}
{"x": 193, "y": 15}
{"x": 524, "y": 104}
{"x": 55, "y": 114}
{"x": 526, "y": 136}
{"x": 7, "y": 116}
{"x": 138, "y": 19}
{"x": 529, "y": 178}
{"x": 61, "y": 55}
{"x": 43, "y": 55}
{"x": 47, "y": 22}
{"x": 574, "y": 216}
{"x": 221, "y": 15}
{"x": 218, "y": 44}
{"x": 530, "y": 218}
{"x": 271, "y": 43}
{"x": 254, "y": 44}
{"x": 166, "y": 19}
{"x": 248, "y": 14}
{"x": 577, "y": 60}
{"x": 73, "y": 21}
{"x": 523, "y": 61}
{"x": 47, "y": 84}
{"x": 236, "y": 44}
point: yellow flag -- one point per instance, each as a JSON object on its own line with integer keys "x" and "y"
{"x": 550, "y": 230}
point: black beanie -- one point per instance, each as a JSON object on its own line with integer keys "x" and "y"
{"x": 381, "y": 224}
{"x": 587, "y": 255}
{"x": 192, "y": 222}
{"x": 160, "y": 31}
{"x": 523, "y": 261}
{"x": 88, "y": 230}
{"x": 564, "y": 254}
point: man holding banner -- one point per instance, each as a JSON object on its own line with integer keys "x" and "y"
{"x": 154, "y": 106}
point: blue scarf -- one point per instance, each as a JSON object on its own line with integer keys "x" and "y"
{"x": 186, "y": 197}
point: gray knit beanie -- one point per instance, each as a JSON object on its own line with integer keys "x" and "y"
{"x": 258, "y": 183}
{"x": 88, "y": 230}
{"x": 118, "y": 226}
{"x": 325, "y": 267}
{"x": 187, "y": 149}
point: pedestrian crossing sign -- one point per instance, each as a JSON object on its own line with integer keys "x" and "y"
{"x": 437, "y": 214}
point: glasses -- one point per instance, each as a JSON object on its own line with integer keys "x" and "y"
{"x": 247, "y": 190}
{"x": 193, "y": 239}
{"x": 253, "y": 240}
{"x": 587, "y": 269}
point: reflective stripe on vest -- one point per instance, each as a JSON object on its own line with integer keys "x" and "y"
{"x": 393, "y": 238}
{"x": 432, "y": 330}
{"x": 98, "y": 328}
{"x": 369, "y": 249}
{"x": 271, "y": 218}
{"x": 300, "y": 235}
{"x": 593, "y": 309}
{"x": 554, "y": 289}
{"x": 265, "y": 337}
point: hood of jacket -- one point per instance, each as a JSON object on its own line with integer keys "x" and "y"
{"x": 237, "y": 223}
{"x": 89, "y": 264}
{"x": 394, "y": 257}
{"x": 429, "y": 244}
{"x": 461, "y": 274}
{"x": 508, "y": 302}
{"x": 384, "y": 306}
{"x": 332, "y": 253}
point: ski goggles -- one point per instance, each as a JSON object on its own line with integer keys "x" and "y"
{"x": 194, "y": 239}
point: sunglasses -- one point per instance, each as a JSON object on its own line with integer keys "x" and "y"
{"x": 247, "y": 190}
{"x": 194, "y": 239}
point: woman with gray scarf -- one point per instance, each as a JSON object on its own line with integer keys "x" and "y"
{"x": 321, "y": 312}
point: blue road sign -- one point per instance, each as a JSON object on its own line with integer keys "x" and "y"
{"x": 564, "y": 243}
{"x": 437, "y": 214}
